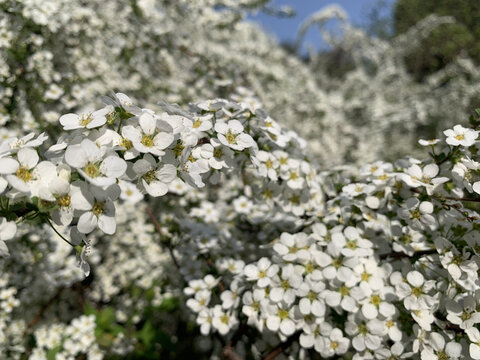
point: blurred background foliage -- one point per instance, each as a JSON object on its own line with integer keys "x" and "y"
{"x": 446, "y": 42}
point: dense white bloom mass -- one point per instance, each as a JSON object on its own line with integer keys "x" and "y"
{"x": 213, "y": 213}
{"x": 351, "y": 260}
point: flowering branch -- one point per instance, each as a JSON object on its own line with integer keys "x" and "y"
{"x": 280, "y": 348}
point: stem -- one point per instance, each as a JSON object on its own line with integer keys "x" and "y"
{"x": 450, "y": 154}
{"x": 454, "y": 198}
{"x": 228, "y": 351}
{"x": 280, "y": 348}
{"x": 119, "y": 125}
{"x": 159, "y": 231}
{"x": 440, "y": 198}
{"x": 51, "y": 225}
{"x": 400, "y": 255}
{"x": 42, "y": 310}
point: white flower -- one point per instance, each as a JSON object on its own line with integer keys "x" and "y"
{"x": 334, "y": 263}
{"x": 124, "y": 102}
{"x": 24, "y": 176}
{"x": 370, "y": 274}
{"x": 462, "y": 175}
{"x": 149, "y": 138}
{"x": 424, "y": 318}
{"x": 439, "y": 350}
{"x": 267, "y": 164}
{"x": 353, "y": 244}
{"x": 280, "y": 317}
{"x": 88, "y": 120}
{"x": 311, "y": 302}
{"x": 461, "y": 136}
{"x": 242, "y": 205}
{"x": 200, "y": 301}
{"x": 415, "y": 176}
{"x": 293, "y": 175}
{"x": 231, "y": 134}
{"x": 8, "y": 229}
{"x": 357, "y": 189}
{"x": 252, "y": 304}
{"x": 154, "y": 177}
{"x": 97, "y": 206}
{"x": 88, "y": 159}
{"x": 223, "y": 321}
{"x": 334, "y": 344}
{"x": 230, "y": 298}
{"x": 218, "y": 156}
{"x": 60, "y": 189}
{"x": 344, "y": 296}
{"x": 463, "y": 313}
{"x": 365, "y": 333}
{"x": 129, "y": 192}
{"x": 204, "y": 319}
{"x": 414, "y": 292}
{"x": 284, "y": 287}
{"x": 474, "y": 336}
{"x": 292, "y": 247}
{"x": 262, "y": 272}
{"x": 418, "y": 214}
{"x": 12, "y": 145}
{"x": 202, "y": 123}
{"x": 430, "y": 142}
{"x": 376, "y": 303}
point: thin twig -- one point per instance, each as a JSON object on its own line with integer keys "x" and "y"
{"x": 454, "y": 198}
{"x": 401, "y": 255}
{"x": 280, "y": 348}
{"x": 159, "y": 231}
{"x": 229, "y": 353}
{"x": 42, "y": 310}
{"x": 440, "y": 197}
{"x": 229, "y": 350}
{"x": 51, "y": 225}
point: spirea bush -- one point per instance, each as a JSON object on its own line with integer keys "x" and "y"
{"x": 228, "y": 237}
{"x": 145, "y": 229}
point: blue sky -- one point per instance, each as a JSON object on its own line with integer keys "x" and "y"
{"x": 286, "y": 28}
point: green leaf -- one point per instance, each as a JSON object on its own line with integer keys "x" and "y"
{"x": 147, "y": 334}
{"x": 169, "y": 304}
{"x": 105, "y": 339}
{"x": 52, "y": 353}
{"x": 106, "y": 317}
{"x": 89, "y": 309}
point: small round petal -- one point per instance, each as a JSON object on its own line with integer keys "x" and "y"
{"x": 27, "y": 157}
{"x": 87, "y": 222}
{"x": 273, "y": 323}
{"x": 415, "y": 278}
{"x": 113, "y": 167}
{"x": 287, "y": 327}
{"x": 8, "y": 166}
{"x": 107, "y": 224}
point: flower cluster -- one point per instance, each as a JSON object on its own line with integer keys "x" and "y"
{"x": 77, "y": 180}
{"x": 386, "y": 267}
{"x": 64, "y": 342}
{"x": 376, "y": 261}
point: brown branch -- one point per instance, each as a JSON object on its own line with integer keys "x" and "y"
{"x": 440, "y": 198}
{"x": 229, "y": 353}
{"x": 158, "y": 228}
{"x": 229, "y": 350}
{"x": 42, "y": 310}
{"x": 401, "y": 255}
{"x": 454, "y": 198}
{"x": 280, "y": 348}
